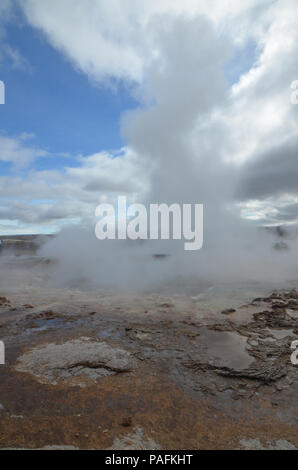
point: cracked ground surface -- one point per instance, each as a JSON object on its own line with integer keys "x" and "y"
{"x": 102, "y": 370}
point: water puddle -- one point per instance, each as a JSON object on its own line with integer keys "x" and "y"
{"x": 44, "y": 324}
{"x": 57, "y": 323}
{"x": 226, "y": 349}
{"x": 113, "y": 333}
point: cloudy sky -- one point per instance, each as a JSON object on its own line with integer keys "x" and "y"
{"x": 108, "y": 97}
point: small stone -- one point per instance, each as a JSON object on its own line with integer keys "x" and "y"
{"x": 127, "y": 422}
{"x": 279, "y": 387}
{"x": 4, "y": 301}
{"x": 278, "y": 304}
{"x": 228, "y": 311}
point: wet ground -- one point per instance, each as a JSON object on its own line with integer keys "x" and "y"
{"x": 155, "y": 371}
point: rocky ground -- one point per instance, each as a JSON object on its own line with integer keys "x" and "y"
{"x": 152, "y": 372}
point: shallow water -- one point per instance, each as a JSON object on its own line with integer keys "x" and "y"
{"x": 31, "y": 273}
{"x": 226, "y": 349}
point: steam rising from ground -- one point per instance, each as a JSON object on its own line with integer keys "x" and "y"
{"x": 181, "y": 139}
{"x": 82, "y": 261}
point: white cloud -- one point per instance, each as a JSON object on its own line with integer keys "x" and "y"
{"x": 193, "y": 136}
{"x": 50, "y": 199}
{"x": 116, "y": 39}
{"x": 17, "y": 152}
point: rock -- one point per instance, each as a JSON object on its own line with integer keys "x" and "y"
{"x": 127, "y": 422}
{"x": 293, "y": 304}
{"x": 228, "y": 311}
{"x": 77, "y": 358}
{"x": 142, "y": 336}
{"x": 4, "y": 302}
{"x": 261, "y": 372}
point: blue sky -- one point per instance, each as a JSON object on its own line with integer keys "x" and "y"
{"x": 48, "y": 97}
